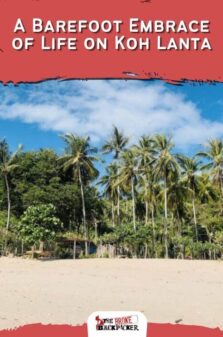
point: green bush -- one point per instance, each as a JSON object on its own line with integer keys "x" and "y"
{"x": 39, "y": 224}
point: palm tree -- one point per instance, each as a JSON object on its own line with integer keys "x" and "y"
{"x": 177, "y": 197}
{"x": 128, "y": 177}
{"x": 190, "y": 168}
{"x": 145, "y": 152}
{"x": 79, "y": 157}
{"x": 7, "y": 166}
{"x": 116, "y": 145}
{"x": 150, "y": 190}
{"x": 165, "y": 167}
{"x": 108, "y": 181}
{"x": 207, "y": 192}
{"x": 214, "y": 155}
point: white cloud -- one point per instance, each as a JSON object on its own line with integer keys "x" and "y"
{"x": 92, "y": 107}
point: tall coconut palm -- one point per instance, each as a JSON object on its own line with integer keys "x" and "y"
{"x": 7, "y": 166}
{"x": 128, "y": 177}
{"x": 177, "y": 197}
{"x": 150, "y": 192}
{"x": 165, "y": 167}
{"x": 214, "y": 155}
{"x": 116, "y": 145}
{"x": 145, "y": 151}
{"x": 108, "y": 181}
{"x": 190, "y": 168}
{"x": 207, "y": 192}
{"x": 79, "y": 157}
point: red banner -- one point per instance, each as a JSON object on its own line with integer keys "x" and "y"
{"x": 154, "y": 330}
{"x": 172, "y": 40}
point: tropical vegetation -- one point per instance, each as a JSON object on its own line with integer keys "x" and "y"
{"x": 145, "y": 200}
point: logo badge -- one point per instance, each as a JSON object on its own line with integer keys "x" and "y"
{"x": 117, "y": 324}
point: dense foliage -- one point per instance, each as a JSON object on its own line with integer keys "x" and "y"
{"x": 39, "y": 224}
{"x": 150, "y": 202}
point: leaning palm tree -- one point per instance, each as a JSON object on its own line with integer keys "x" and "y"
{"x": 128, "y": 177}
{"x": 190, "y": 168}
{"x": 116, "y": 145}
{"x": 165, "y": 167}
{"x": 214, "y": 155}
{"x": 79, "y": 157}
{"x": 7, "y": 166}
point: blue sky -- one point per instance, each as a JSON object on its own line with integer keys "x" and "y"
{"x": 35, "y": 114}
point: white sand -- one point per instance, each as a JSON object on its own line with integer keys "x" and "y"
{"x": 68, "y": 291}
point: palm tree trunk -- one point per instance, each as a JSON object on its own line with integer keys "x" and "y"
{"x": 146, "y": 203}
{"x": 210, "y": 241}
{"x": 166, "y": 219}
{"x": 147, "y": 212}
{"x": 221, "y": 184}
{"x": 118, "y": 193}
{"x": 83, "y": 212}
{"x": 133, "y": 205}
{"x": 96, "y": 228}
{"x": 165, "y": 199}
{"x": 33, "y": 251}
{"x": 154, "y": 233}
{"x": 74, "y": 249}
{"x": 146, "y": 251}
{"x": 118, "y": 205}
{"x": 41, "y": 246}
{"x": 195, "y": 218}
{"x": 8, "y": 201}
{"x": 113, "y": 214}
{"x": 179, "y": 227}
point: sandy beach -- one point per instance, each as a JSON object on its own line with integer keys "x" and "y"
{"x": 67, "y": 291}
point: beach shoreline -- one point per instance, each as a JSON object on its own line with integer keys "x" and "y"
{"x": 68, "y": 291}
